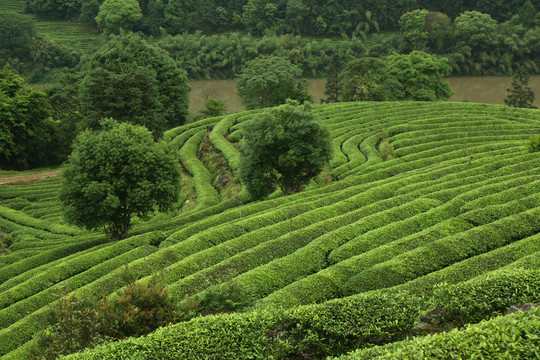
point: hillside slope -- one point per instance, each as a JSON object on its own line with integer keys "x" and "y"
{"x": 422, "y": 193}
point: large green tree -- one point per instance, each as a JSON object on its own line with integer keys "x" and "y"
{"x": 366, "y": 79}
{"x": 16, "y": 36}
{"x": 116, "y": 173}
{"x": 419, "y": 75}
{"x": 117, "y": 15}
{"x": 285, "y": 146}
{"x": 131, "y": 80}
{"x": 270, "y": 80}
{"x": 520, "y": 94}
{"x": 25, "y": 124}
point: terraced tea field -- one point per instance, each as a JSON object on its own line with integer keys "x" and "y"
{"x": 418, "y": 194}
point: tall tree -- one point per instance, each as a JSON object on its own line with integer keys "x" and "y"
{"x": 366, "y": 79}
{"x": 116, "y": 173}
{"x": 25, "y": 125}
{"x": 16, "y": 36}
{"x": 285, "y": 146}
{"x": 116, "y": 15}
{"x": 270, "y": 80}
{"x": 131, "y": 80}
{"x": 419, "y": 75}
{"x": 520, "y": 94}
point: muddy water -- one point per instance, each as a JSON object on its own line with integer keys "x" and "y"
{"x": 483, "y": 89}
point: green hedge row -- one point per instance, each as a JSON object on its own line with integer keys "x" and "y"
{"x": 48, "y": 256}
{"x": 488, "y": 295}
{"x": 18, "y": 279}
{"x": 275, "y": 222}
{"x": 327, "y": 283}
{"x": 66, "y": 269}
{"x": 90, "y": 284}
{"x": 312, "y": 331}
{"x": 217, "y": 138}
{"x": 28, "y": 221}
{"x": 503, "y": 197}
{"x": 445, "y": 252}
{"x": 202, "y": 178}
{"x": 454, "y": 174}
{"x": 513, "y": 336}
{"x": 491, "y": 213}
{"x": 517, "y": 139}
{"x": 276, "y": 268}
{"x": 523, "y": 254}
{"x": 356, "y": 157}
{"x": 170, "y": 134}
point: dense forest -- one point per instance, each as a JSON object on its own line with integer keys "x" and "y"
{"x": 216, "y": 40}
{"x": 305, "y": 17}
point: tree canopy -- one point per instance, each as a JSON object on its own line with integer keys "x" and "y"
{"x": 16, "y": 36}
{"x": 116, "y": 173}
{"x": 25, "y": 123}
{"x": 116, "y": 15}
{"x": 133, "y": 81}
{"x": 520, "y": 94}
{"x": 284, "y": 146}
{"x": 270, "y": 80}
{"x": 419, "y": 75}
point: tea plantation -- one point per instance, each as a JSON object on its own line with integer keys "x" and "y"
{"x": 423, "y": 204}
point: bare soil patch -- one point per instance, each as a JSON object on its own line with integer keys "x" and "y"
{"x": 28, "y": 178}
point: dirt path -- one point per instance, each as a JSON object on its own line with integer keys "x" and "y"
{"x": 28, "y": 178}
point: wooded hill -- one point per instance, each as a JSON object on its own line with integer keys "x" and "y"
{"x": 416, "y": 194}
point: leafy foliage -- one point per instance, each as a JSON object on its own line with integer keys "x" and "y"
{"x": 117, "y": 15}
{"x": 270, "y": 80}
{"x": 78, "y": 323}
{"x": 285, "y": 146}
{"x": 520, "y": 94}
{"x": 213, "y": 107}
{"x": 420, "y": 76}
{"x": 16, "y": 36}
{"x": 116, "y": 173}
{"x": 130, "y": 80}
{"x": 366, "y": 79}
{"x": 25, "y": 124}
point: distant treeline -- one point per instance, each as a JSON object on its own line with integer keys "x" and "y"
{"x": 304, "y": 17}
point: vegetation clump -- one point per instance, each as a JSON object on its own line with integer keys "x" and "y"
{"x": 270, "y": 80}
{"x": 116, "y": 173}
{"x": 286, "y": 147}
{"x": 133, "y": 81}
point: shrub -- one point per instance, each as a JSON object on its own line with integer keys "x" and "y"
{"x": 507, "y": 337}
{"x": 534, "y": 144}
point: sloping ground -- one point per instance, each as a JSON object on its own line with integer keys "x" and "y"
{"x": 423, "y": 193}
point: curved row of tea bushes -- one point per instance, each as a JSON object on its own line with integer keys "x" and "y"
{"x": 28, "y": 221}
{"x": 269, "y": 228}
{"x": 446, "y": 251}
{"x": 513, "y": 336}
{"x": 32, "y": 311}
{"x": 45, "y": 257}
{"x": 217, "y": 138}
{"x": 351, "y": 149}
{"x": 327, "y": 283}
{"x": 488, "y": 295}
{"x": 447, "y": 210}
{"x": 296, "y": 254}
{"x": 202, "y": 178}
{"x": 524, "y": 253}
{"x": 66, "y": 269}
{"x": 344, "y": 324}
{"x": 171, "y": 134}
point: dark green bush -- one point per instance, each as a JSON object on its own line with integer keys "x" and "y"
{"x": 534, "y": 144}
{"x": 489, "y": 295}
{"x": 506, "y": 337}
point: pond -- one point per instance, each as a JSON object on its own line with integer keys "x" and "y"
{"x": 482, "y": 89}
